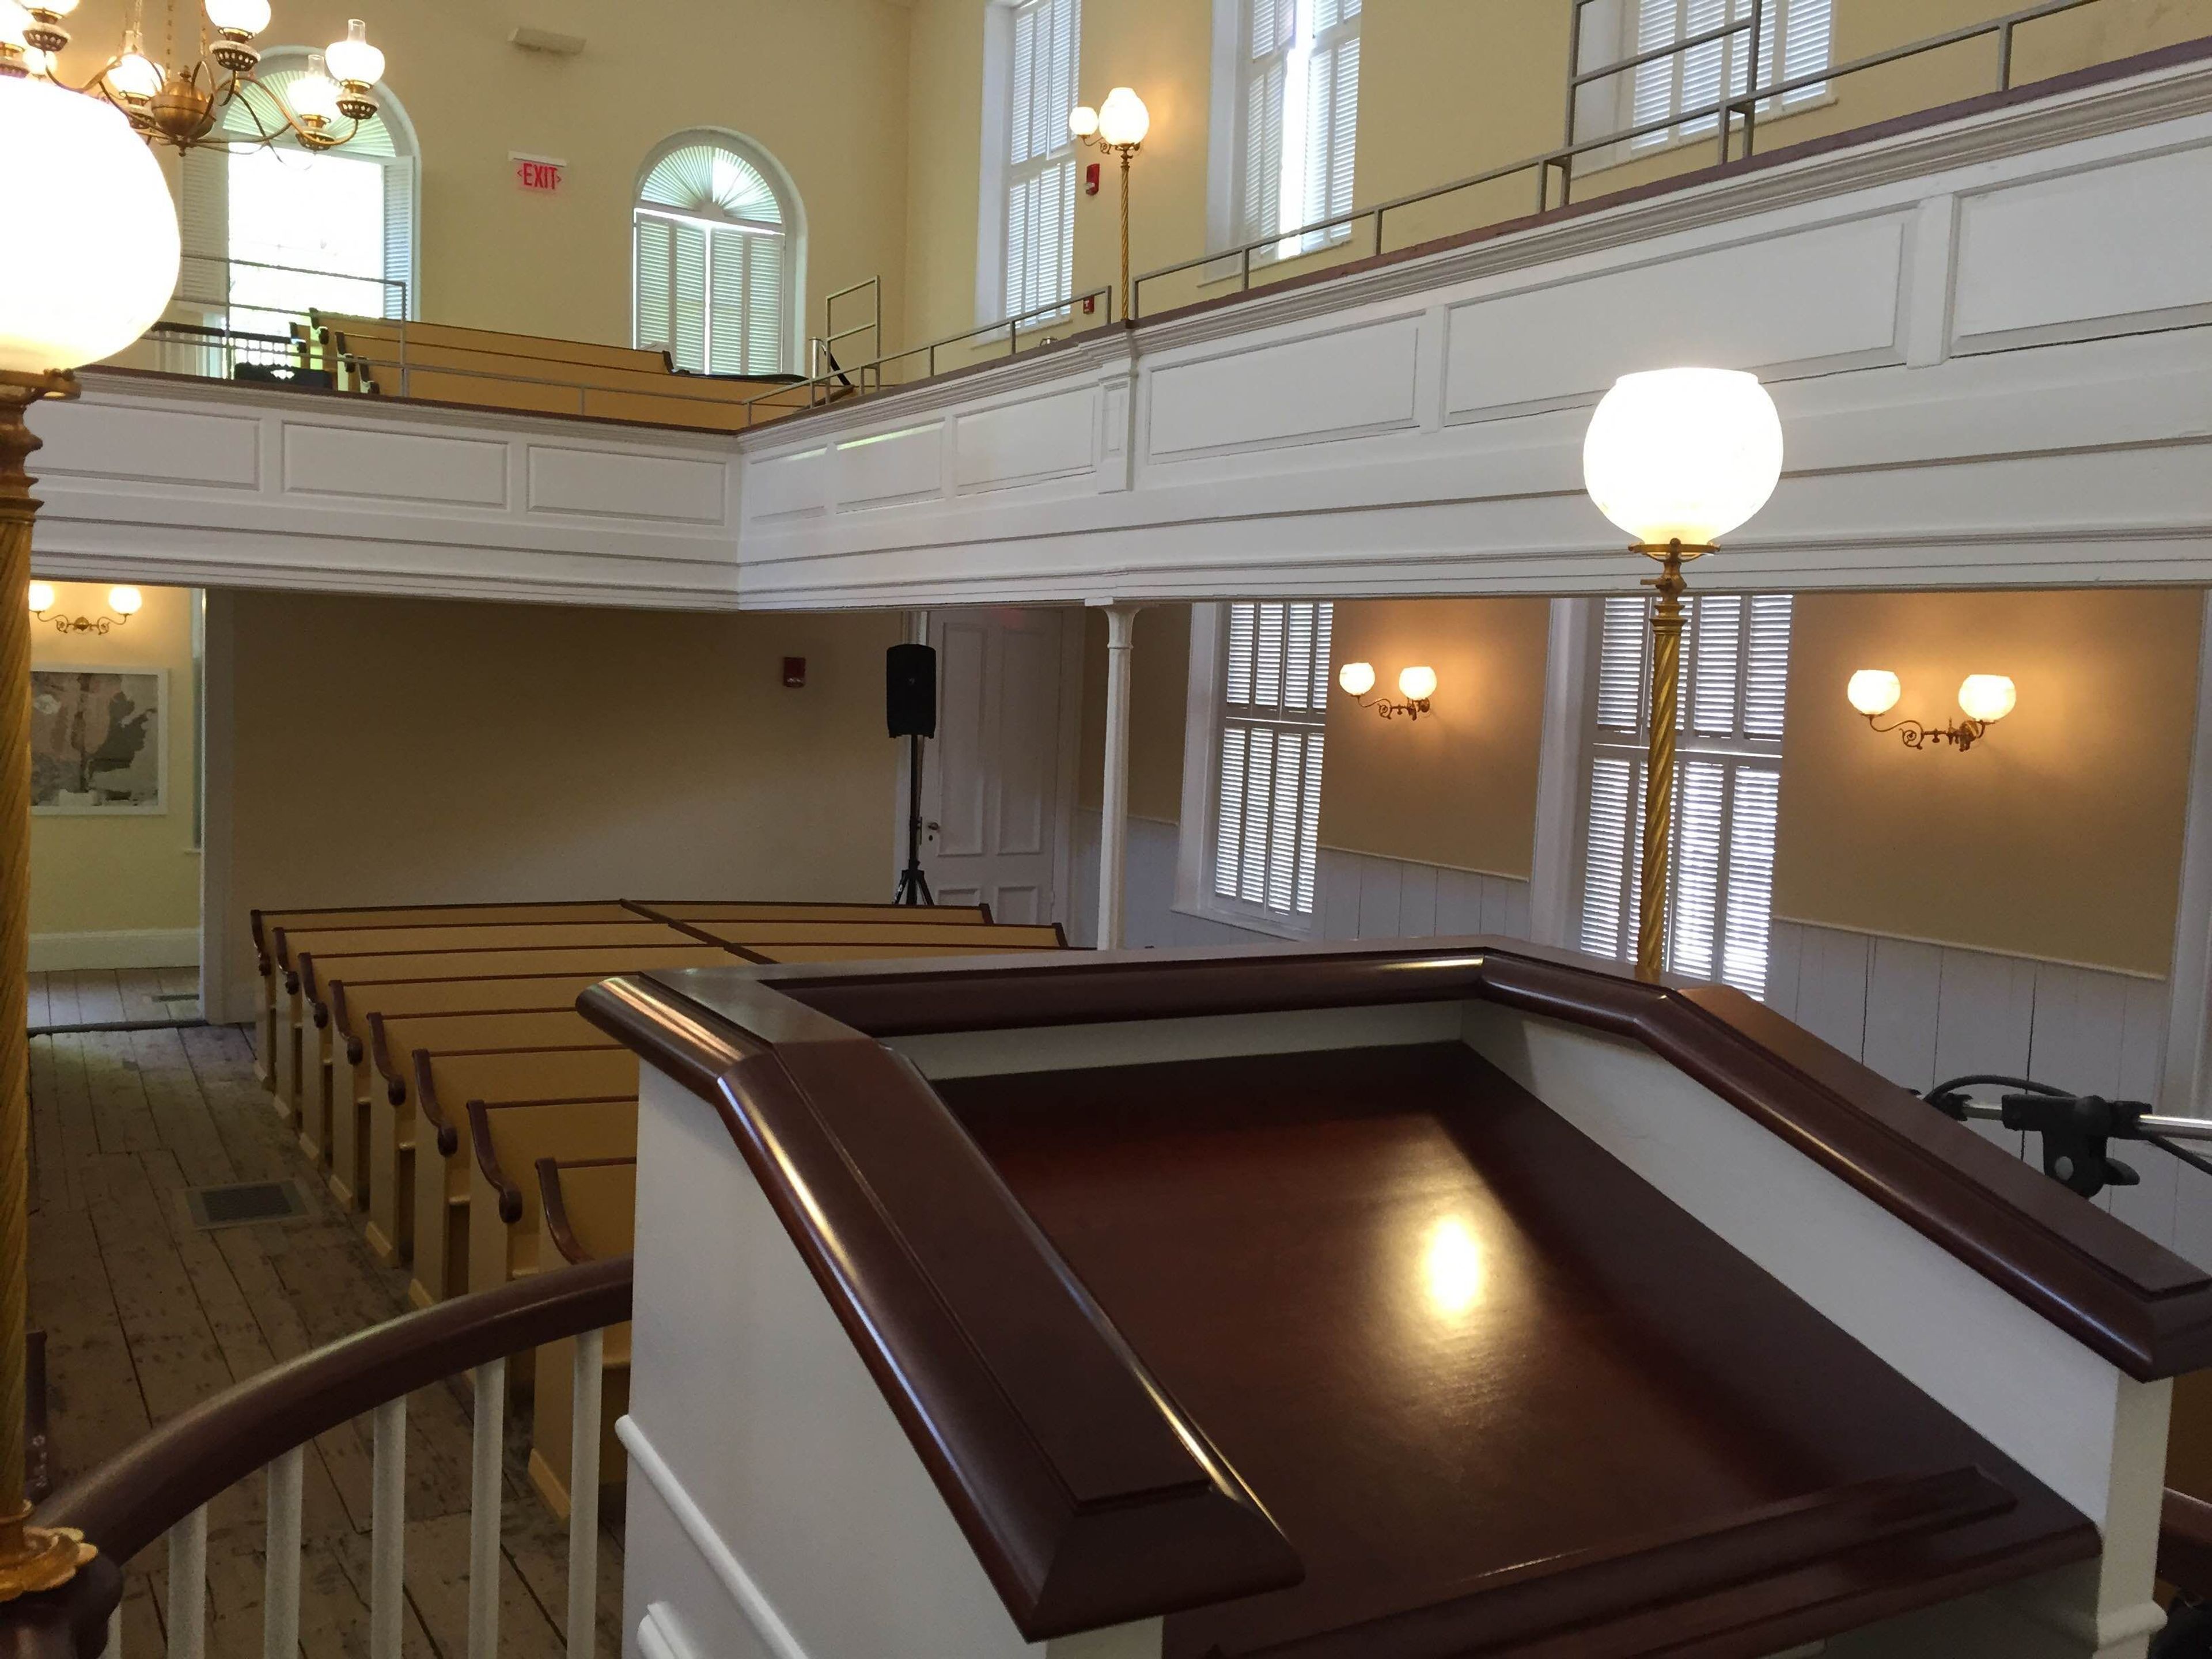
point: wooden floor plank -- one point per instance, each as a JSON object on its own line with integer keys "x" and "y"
{"x": 99, "y": 998}
{"x": 122, "y": 1120}
{"x": 61, "y": 998}
{"x": 140, "y": 989}
{"x": 40, "y": 1008}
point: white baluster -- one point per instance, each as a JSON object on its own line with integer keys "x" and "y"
{"x": 114, "y": 1648}
{"x": 188, "y": 1587}
{"x": 483, "y": 1509}
{"x": 280, "y": 1597}
{"x": 387, "y": 1534}
{"x": 583, "y": 1496}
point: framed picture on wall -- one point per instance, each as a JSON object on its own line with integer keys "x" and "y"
{"x": 98, "y": 742}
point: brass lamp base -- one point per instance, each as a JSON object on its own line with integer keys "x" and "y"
{"x": 1655, "y": 889}
{"x": 34, "y": 1558}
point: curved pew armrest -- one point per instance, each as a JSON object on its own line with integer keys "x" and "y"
{"x": 2185, "y": 1544}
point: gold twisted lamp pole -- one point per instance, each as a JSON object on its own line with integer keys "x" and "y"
{"x": 1118, "y": 126}
{"x": 91, "y": 264}
{"x": 1677, "y": 457}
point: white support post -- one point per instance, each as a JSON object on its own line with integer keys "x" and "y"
{"x": 387, "y": 1530}
{"x": 114, "y": 1648}
{"x": 1113, "y": 798}
{"x": 188, "y": 1587}
{"x": 484, "y": 1494}
{"x": 280, "y": 1593}
{"x": 2189, "y": 990}
{"x": 584, "y": 1495}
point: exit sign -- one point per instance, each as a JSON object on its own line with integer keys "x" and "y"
{"x": 541, "y": 173}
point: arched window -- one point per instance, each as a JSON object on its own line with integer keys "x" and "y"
{"x": 718, "y": 240}
{"x": 271, "y": 231}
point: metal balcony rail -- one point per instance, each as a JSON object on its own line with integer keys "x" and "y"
{"x": 1734, "y": 112}
{"x": 212, "y": 281}
{"x": 164, "y": 1484}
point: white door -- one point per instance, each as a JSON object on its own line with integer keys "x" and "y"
{"x": 996, "y": 784}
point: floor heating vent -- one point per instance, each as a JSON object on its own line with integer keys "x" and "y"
{"x": 242, "y": 1203}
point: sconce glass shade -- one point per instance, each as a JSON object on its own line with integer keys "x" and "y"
{"x": 41, "y": 596}
{"x": 239, "y": 16}
{"x": 1987, "y": 697}
{"x": 1417, "y": 685}
{"x": 1357, "y": 678}
{"x": 1874, "y": 691}
{"x": 353, "y": 58}
{"x": 1123, "y": 119}
{"x": 1083, "y": 121}
{"x": 1682, "y": 453}
{"x": 314, "y": 94}
{"x": 126, "y": 601}
{"x": 92, "y": 256}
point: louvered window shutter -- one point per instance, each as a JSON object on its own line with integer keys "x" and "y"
{"x": 1731, "y": 691}
{"x": 727, "y": 302}
{"x": 1275, "y": 683}
{"x": 399, "y": 238}
{"x": 203, "y": 225}
{"x": 764, "y": 304}
{"x": 1796, "y": 38}
{"x": 1040, "y": 230}
{"x": 687, "y": 297}
{"x": 655, "y": 279}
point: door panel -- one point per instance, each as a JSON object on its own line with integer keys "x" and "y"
{"x": 992, "y": 780}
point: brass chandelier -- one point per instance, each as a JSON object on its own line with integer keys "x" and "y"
{"x": 182, "y": 103}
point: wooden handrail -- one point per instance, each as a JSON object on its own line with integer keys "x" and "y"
{"x": 133, "y": 1499}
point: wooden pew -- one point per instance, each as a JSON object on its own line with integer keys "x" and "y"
{"x": 751, "y": 935}
{"x": 387, "y": 1107}
{"x": 884, "y": 952}
{"x": 590, "y": 1206}
{"x": 267, "y": 924}
{"x": 702, "y": 910}
{"x": 507, "y": 1212}
{"x": 544, "y": 348}
{"x": 446, "y": 1085}
{"x": 356, "y": 952}
{"x": 392, "y": 1129}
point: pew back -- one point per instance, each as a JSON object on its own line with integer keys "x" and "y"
{"x": 590, "y": 1205}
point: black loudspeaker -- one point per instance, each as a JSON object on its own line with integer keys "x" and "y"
{"x": 910, "y": 690}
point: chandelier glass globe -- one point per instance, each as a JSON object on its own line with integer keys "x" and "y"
{"x": 94, "y": 260}
{"x": 1683, "y": 454}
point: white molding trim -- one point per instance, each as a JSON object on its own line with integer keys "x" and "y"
{"x": 1561, "y": 777}
{"x": 1779, "y": 920}
{"x": 2188, "y": 1013}
{"x": 128, "y": 947}
{"x": 747, "y": 1596}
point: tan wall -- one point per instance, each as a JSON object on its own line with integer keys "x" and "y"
{"x": 99, "y": 875}
{"x": 1448, "y": 88}
{"x": 822, "y": 84}
{"x": 1458, "y": 786}
{"x": 409, "y": 749}
{"x": 1159, "y": 673}
{"x": 2059, "y": 836}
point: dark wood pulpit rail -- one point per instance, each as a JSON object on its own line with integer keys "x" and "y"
{"x": 1670, "y": 1450}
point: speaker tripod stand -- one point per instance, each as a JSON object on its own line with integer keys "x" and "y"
{"x": 913, "y": 885}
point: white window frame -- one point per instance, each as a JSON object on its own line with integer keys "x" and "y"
{"x": 1230, "y": 159}
{"x": 1616, "y": 30}
{"x": 1000, "y": 173}
{"x": 791, "y": 233}
{"x": 1205, "y": 716}
{"x": 1564, "y": 904}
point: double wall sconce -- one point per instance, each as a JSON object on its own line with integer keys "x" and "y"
{"x": 1985, "y": 699}
{"x": 123, "y": 603}
{"x": 1415, "y": 686}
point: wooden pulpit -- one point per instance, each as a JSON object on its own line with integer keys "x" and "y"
{"x": 1358, "y": 1303}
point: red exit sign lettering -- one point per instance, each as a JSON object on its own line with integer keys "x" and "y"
{"x": 541, "y": 173}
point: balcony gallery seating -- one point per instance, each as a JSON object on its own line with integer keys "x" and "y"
{"x": 1398, "y": 1302}
{"x": 442, "y": 362}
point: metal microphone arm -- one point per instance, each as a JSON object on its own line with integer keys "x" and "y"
{"x": 2075, "y": 1128}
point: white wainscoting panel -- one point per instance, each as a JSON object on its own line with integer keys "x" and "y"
{"x": 615, "y": 483}
{"x": 393, "y": 466}
{"x": 888, "y": 468}
{"x": 2091, "y": 251}
{"x": 1346, "y": 382}
{"x": 1733, "y": 307}
{"x": 1027, "y": 440}
{"x": 787, "y": 486}
{"x": 167, "y": 443}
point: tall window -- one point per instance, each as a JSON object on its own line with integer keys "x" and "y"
{"x": 1041, "y": 70}
{"x": 1274, "y": 702}
{"x": 716, "y": 258}
{"x": 272, "y": 232}
{"x": 1300, "y": 95}
{"x": 1728, "y": 785}
{"x": 1794, "y": 40}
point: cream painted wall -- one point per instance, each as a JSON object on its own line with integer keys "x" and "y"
{"x": 1448, "y": 88}
{"x": 2059, "y": 836}
{"x": 1458, "y": 786}
{"x": 122, "y": 874}
{"x": 386, "y": 750}
{"x": 822, "y": 84}
{"x": 1159, "y": 673}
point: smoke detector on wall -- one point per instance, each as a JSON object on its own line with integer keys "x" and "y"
{"x": 548, "y": 41}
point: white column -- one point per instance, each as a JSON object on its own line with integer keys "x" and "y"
{"x": 2189, "y": 1012}
{"x": 1114, "y": 798}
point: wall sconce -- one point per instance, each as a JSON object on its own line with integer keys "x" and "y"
{"x": 1985, "y": 699}
{"x": 1416, "y": 687}
{"x": 124, "y": 602}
